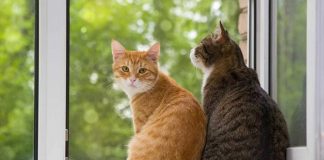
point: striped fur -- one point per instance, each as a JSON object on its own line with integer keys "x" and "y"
{"x": 169, "y": 124}
{"x": 243, "y": 121}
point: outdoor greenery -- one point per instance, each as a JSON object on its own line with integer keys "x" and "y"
{"x": 16, "y": 79}
{"x": 100, "y": 117}
{"x": 291, "y": 67}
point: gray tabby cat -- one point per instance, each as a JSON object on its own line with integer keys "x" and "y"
{"x": 243, "y": 121}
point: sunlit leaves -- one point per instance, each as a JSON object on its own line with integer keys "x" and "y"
{"x": 99, "y": 115}
{"x": 16, "y": 79}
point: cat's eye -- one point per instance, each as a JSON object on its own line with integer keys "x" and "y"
{"x": 125, "y": 69}
{"x": 204, "y": 48}
{"x": 142, "y": 70}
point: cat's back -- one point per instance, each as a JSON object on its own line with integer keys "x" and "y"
{"x": 245, "y": 115}
{"x": 177, "y": 126}
{"x": 180, "y": 108}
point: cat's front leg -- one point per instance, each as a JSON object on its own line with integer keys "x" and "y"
{"x": 137, "y": 124}
{"x": 130, "y": 147}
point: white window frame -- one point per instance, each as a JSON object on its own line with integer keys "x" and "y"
{"x": 262, "y": 42}
{"x": 315, "y": 76}
{"x": 52, "y": 80}
{"x": 53, "y": 68}
{"x": 266, "y": 18}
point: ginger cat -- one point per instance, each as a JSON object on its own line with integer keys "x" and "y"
{"x": 168, "y": 121}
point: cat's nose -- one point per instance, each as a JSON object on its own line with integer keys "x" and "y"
{"x": 132, "y": 80}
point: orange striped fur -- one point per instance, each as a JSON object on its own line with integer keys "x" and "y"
{"x": 168, "y": 121}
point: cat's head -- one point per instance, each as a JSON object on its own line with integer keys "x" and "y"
{"x": 135, "y": 71}
{"x": 216, "y": 49}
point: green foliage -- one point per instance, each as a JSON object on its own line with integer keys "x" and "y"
{"x": 100, "y": 118}
{"x": 291, "y": 68}
{"x": 100, "y": 121}
{"x": 16, "y": 79}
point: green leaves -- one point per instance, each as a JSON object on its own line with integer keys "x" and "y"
{"x": 16, "y": 80}
{"x": 100, "y": 118}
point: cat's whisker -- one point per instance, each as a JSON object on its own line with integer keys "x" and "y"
{"x": 108, "y": 83}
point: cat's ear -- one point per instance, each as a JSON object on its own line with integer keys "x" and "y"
{"x": 223, "y": 31}
{"x": 154, "y": 52}
{"x": 223, "y": 36}
{"x": 117, "y": 49}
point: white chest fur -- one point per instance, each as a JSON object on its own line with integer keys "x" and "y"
{"x": 207, "y": 72}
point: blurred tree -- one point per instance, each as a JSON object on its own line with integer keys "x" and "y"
{"x": 16, "y": 79}
{"x": 291, "y": 67}
{"x": 100, "y": 119}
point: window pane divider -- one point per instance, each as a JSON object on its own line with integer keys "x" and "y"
{"x": 262, "y": 43}
{"x": 52, "y": 80}
{"x": 315, "y": 76}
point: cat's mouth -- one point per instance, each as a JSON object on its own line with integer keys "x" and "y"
{"x": 194, "y": 59}
{"x": 132, "y": 85}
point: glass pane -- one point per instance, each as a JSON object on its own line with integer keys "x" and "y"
{"x": 291, "y": 67}
{"x": 17, "y": 79}
{"x": 100, "y": 117}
